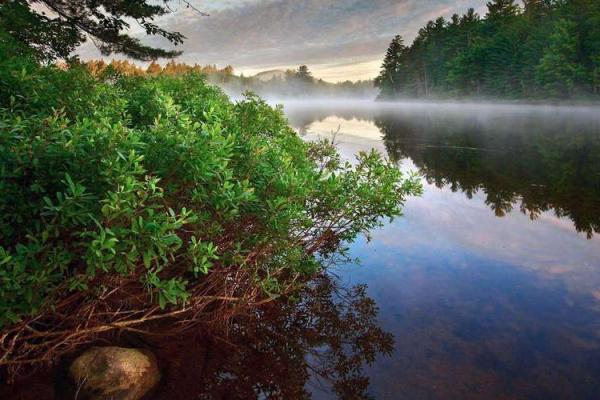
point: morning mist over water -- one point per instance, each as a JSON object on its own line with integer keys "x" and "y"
{"x": 512, "y": 152}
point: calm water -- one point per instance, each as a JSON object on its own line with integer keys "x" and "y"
{"x": 490, "y": 283}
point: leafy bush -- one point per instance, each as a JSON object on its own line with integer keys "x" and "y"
{"x": 155, "y": 183}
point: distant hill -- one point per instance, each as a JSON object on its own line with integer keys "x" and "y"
{"x": 268, "y": 75}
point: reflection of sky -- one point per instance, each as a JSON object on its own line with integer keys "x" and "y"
{"x": 481, "y": 306}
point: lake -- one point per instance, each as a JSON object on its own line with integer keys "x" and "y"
{"x": 490, "y": 282}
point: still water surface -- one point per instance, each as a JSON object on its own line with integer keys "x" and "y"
{"x": 490, "y": 283}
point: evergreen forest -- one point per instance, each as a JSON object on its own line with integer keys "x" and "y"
{"x": 538, "y": 49}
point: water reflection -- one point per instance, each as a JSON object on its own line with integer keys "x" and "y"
{"x": 321, "y": 341}
{"x": 486, "y": 284}
{"x": 531, "y": 159}
{"x": 533, "y": 163}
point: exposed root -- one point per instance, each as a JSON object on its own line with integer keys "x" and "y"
{"x": 123, "y": 306}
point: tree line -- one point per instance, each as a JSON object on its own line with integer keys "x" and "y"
{"x": 282, "y": 84}
{"x": 541, "y": 49}
{"x": 171, "y": 68}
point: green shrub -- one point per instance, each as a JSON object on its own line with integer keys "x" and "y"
{"x": 164, "y": 179}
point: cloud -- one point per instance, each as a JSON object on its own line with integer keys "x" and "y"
{"x": 328, "y": 35}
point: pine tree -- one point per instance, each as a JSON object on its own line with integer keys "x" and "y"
{"x": 535, "y": 9}
{"x": 559, "y": 72}
{"x": 389, "y": 80}
{"x": 304, "y": 75}
{"x": 502, "y": 10}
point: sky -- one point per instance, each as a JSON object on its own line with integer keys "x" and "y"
{"x": 337, "y": 39}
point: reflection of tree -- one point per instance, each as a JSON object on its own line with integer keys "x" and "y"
{"x": 530, "y": 161}
{"x": 328, "y": 333}
{"x": 534, "y": 163}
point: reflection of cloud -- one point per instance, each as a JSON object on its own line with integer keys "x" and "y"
{"x": 442, "y": 223}
{"x": 470, "y": 287}
{"x": 320, "y": 33}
